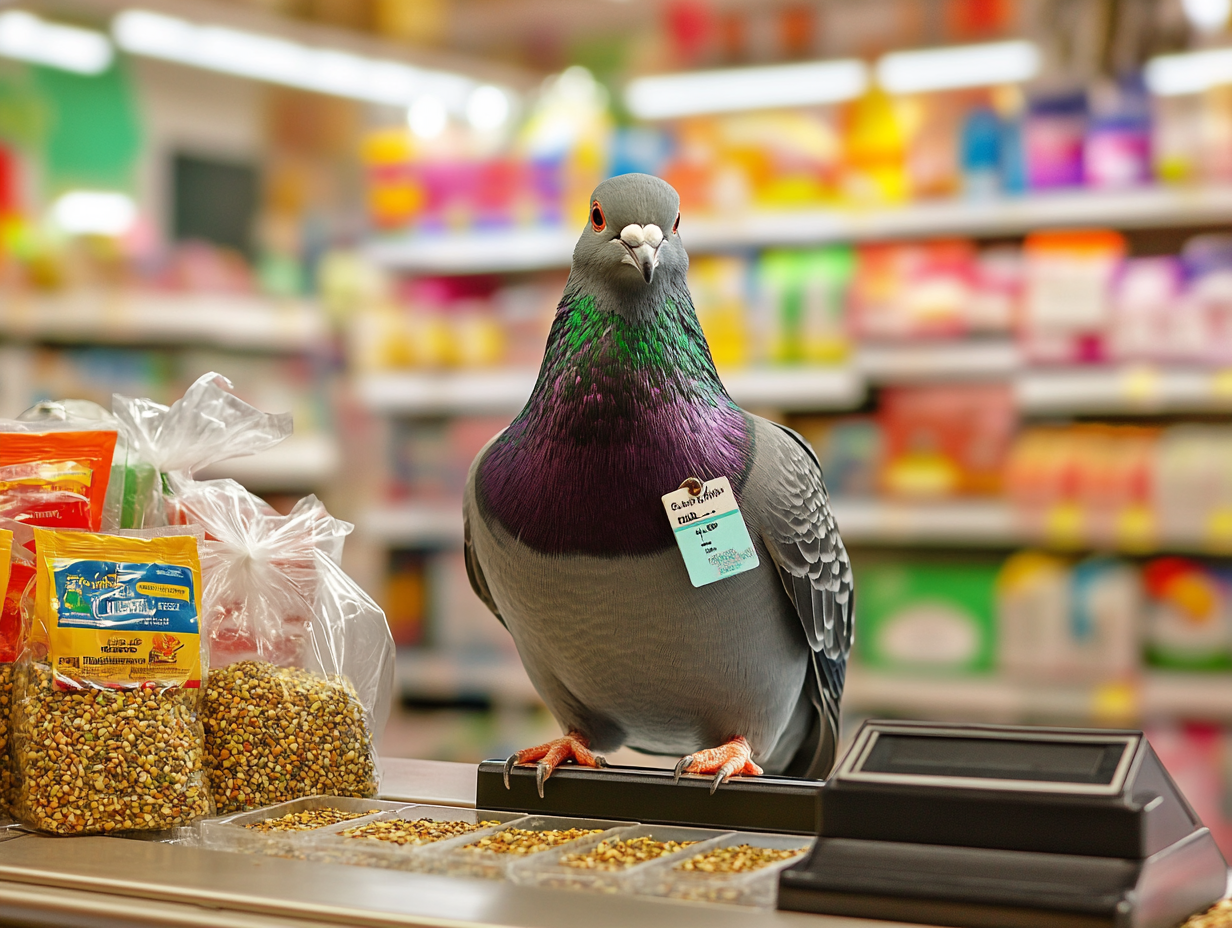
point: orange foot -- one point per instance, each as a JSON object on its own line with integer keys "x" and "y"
{"x": 551, "y": 754}
{"x": 732, "y": 759}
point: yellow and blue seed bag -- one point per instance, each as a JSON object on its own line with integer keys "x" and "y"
{"x": 107, "y": 735}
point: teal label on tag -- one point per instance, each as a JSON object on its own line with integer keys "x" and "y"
{"x": 710, "y": 532}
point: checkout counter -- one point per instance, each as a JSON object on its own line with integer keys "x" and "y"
{"x": 111, "y": 882}
{"x": 983, "y": 826}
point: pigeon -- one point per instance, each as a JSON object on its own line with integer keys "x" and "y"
{"x": 569, "y": 544}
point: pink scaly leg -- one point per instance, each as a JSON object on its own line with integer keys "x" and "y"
{"x": 551, "y": 754}
{"x": 735, "y": 758}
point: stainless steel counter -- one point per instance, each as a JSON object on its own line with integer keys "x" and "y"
{"x": 108, "y": 882}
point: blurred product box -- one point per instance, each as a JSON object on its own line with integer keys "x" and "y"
{"x": 1188, "y": 614}
{"x": 926, "y": 615}
{"x": 1071, "y": 622}
{"x": 945, "y": 441}
{"x": 1067, "y": 299}
{"x": 850, "y": 450}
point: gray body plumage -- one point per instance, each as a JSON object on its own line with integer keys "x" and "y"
{"x": 626, "y": 650}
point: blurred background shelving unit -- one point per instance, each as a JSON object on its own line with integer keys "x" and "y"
{"x": 997, "y": 298}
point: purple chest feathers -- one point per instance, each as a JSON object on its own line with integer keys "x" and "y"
{"x": 585, "y": 475}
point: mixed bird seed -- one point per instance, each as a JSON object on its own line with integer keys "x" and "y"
{"x": 618, "y": 853}
{"x": 94, "y": 760}
{"x": 278, "y": 733}
{"x": 739, "y": 858}
{"x": 1217, "y": 916}
{"x": 525, "y": 841}
{"x": 307, "y": 820}
{"x": 421, "y": 831}
{"x": 6, "y": 710}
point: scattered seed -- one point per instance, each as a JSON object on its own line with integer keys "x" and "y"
{"x": 617, "y": 853}
{"x": 96, "y": 759}
{"x": 421, "y": 831}
{"x": 739, "y": 858}
{"x": 306, "y": 820}
{"x": 1217, "y": 916}
{"x": 524, "y": 841}
{"x": 273, "y": 734}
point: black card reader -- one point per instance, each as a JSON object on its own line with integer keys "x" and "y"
{"x": 985, "y": 825}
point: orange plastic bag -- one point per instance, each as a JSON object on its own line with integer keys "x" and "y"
{"x": 92, "y": 449}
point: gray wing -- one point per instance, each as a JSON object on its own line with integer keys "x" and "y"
{"x": 474, "y": 571}
{"x": 816, "y": 572}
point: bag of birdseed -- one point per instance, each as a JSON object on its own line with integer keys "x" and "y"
{"x": 206, "y": 425}
{"x": 106, "y": 727}
{"x": 8, "y": 651}
{"x": 301, "y": 659}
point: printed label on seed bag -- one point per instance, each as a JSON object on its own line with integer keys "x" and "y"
{"x": 710, "y": 532}
{"x": 125, "y": 624}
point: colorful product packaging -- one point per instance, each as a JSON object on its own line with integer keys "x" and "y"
{"x": 1067, "y": 300}
{"x": 934, "y": 616}
{"x": 945, "y": 440}
{"x": 107, "y": 735}
{"x": 1188, "y": 615}
{"x": 1063, "y": 621}
{"x": 73, "y": 465}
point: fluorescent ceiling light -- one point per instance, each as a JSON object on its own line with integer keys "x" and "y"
{"x": 27, "y": 38}
{"x": 1190, "y": 72}
{"x": 958, "y": 66}
{"x": 1207, "y": 15}
{"x": 94, "y": 212}
{"x": 427, "y": 117}
{"x": 282, "y": 61}
{"x": 667, "y": 95}
{"x": 487, "y": 108}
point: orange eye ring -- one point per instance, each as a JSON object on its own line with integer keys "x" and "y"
{"x": 597, "y": 219}
{"x": 676, "y": 224}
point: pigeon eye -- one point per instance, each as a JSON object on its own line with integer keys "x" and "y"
{"x": 676, "y": 224}
{"x": 597, "y": 219}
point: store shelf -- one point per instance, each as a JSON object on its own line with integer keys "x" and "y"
{"x": 537, "y": 248}
{"x": 1129, "y": 389}
{"x": 493, "y": 252}
{"x": 506, "y": 390}
{"x": 447, "y": 393}
{"x": 302, "y": 462}
{"x": 440, "y": 677}
{"x": 957, "y": 522}
{"x": 1191, "y": 696}
{"x": 796, "y": 388}
{"x": 415, "y": 525}
{"x": 981, "y": 359}
{"x": 232, "y": 321}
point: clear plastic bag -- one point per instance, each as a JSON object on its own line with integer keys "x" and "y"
{"x": 302, "y": 659}
{"x": 106, "y": 727}
{"x": 206, "y": 425}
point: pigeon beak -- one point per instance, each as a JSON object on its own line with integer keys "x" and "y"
{"x": 642, "y": 244}
{"x": 648, "y": 259}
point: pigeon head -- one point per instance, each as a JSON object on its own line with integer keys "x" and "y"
{"x": 630, "y": 255}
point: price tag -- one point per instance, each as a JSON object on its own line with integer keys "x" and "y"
{"x": 1141, "y": 385}
{"x": 1135, "y": 528}
{"x": 710, "y": 531}
{"x": 1065, "y": 525}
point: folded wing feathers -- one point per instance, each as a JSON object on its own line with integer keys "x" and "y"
{"x": 804, "y": 541}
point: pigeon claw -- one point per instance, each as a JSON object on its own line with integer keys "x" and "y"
{"x": 735, "y": 758}
{"x": 680, "y": 765}
{"x": 548, "y": 756}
